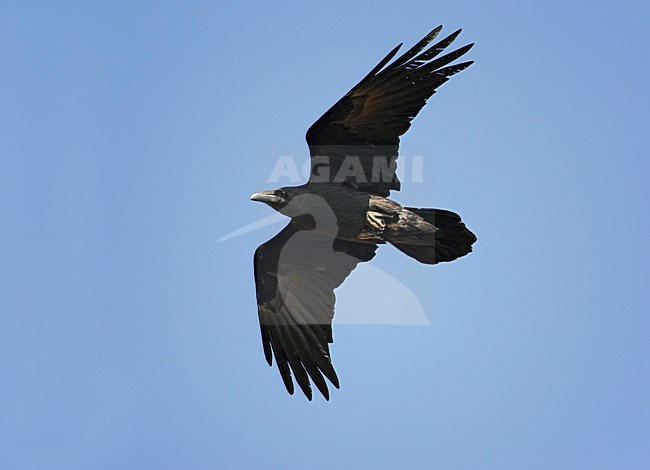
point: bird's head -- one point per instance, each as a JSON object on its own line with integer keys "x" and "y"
{"x": 276, "y": 198}
{"x": 298, "y": 202}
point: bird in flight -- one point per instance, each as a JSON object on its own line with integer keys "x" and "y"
{"x": 341, "y": 215}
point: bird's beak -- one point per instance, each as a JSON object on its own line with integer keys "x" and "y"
{"x": 267, "y": 197}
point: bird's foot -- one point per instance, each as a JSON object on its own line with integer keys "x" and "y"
{"x": 370, "y": 235}
{"x": 375, "y": 221}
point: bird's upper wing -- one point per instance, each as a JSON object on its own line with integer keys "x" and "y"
{"x": 296, "y": 273}
{"x": 357, "y": 139}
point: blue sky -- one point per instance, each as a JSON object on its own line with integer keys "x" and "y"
{"x": 132, "y": 136}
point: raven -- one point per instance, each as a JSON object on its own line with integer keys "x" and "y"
{"x": 341, "y": 215}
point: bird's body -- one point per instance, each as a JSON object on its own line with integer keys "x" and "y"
{"x": 348, "y": 207}
{"x": 343, "y": 213}
{"x": 359, "y": 216}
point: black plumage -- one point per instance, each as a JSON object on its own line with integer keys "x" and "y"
{"x": 341, "y": 215}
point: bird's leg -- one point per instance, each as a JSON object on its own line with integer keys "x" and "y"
{"x": 375, "y": 220}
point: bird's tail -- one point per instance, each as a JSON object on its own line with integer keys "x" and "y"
{"x": 452, "y": 241}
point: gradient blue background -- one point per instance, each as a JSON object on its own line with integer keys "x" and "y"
{"x": 132, "y": 134}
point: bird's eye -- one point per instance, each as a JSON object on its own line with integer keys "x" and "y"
{"x": 282, "y": 193}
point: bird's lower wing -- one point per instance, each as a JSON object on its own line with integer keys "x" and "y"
{"x": 296, "y": 273}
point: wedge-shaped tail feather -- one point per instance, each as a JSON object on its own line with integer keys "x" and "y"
{"x": 453, "y": 239}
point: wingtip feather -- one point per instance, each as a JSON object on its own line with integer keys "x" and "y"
{"x": 449, "y": 39}
{"x": 336, "y": 383}
{"x": 268, "y": 354}
{"x": 434, "y": 32}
